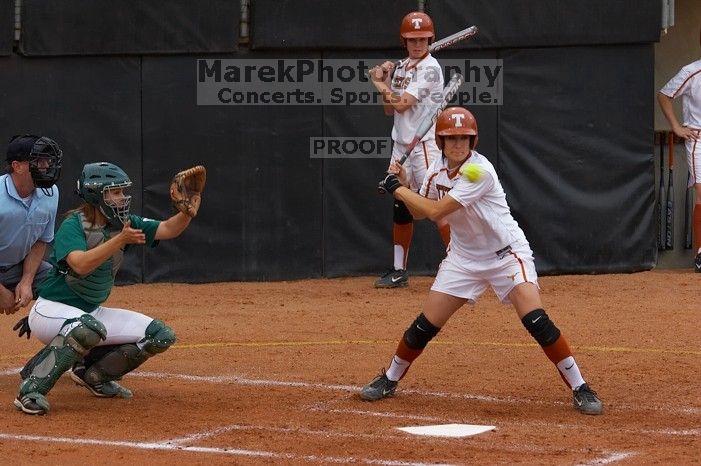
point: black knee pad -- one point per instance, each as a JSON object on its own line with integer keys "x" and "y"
{"x": 420, "y": 332}
{"x": 402, "y": 216}
{"x": 541, "y": 327}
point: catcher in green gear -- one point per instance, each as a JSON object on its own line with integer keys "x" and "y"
{"x": 99, "y": 344}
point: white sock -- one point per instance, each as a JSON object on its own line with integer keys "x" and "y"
{"x": 398, "y": 257}
{"x": 397, "y": 368}
{"x": 568, "y": 368}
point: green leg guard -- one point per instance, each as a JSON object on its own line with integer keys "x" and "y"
{"x": 55, "y": 359}
{"x": 159, "y": 337}
{"x": 100, "y": 375}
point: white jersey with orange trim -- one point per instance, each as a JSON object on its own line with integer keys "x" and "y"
{"x": 424, "y": 80}
{"x": 484, "y": 228}
{"x": 687, "y": 85}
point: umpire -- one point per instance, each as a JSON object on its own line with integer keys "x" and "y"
{"x": 28, "y": 204}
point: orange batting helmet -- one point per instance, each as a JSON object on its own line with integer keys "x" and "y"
{"x": 417, "y": 24}
{"x": 455, "y": 121}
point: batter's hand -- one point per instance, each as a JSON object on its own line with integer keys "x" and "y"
{"x": 387, "y": 67}
{"x": 130, "y": 235}
{"x": 382, "y": 72}
{"x": 400, "y": 171}
{"x": 389, "y": 184}
{"x": 377, "y": 74}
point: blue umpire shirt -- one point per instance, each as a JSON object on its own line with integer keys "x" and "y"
{"x": 23, "y": 224}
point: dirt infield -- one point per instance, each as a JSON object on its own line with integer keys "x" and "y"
{"x": 267, "y": 373}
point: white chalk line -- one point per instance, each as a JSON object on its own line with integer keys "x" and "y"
{"x": 613, "y": 457}
{"x": 221, "y": 451}
{"x": 239, "y": 380}
{"x": 689, "y": 410}
{"x": 489, "y": 446}
{"x": 278, "y": 430}
{"x": 540, "y": 424}
{"x": 177, "y": 443}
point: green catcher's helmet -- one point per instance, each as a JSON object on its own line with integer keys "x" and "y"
{"x": 95, "y": 180}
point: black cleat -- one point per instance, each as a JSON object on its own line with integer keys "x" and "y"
{"x": 380, "y": 387}
{"x": 586, "y": 401}
{"x": 393, "y": 279}
{"x": 32, "y": 403}
{"x": 101, "y": 390}
{"x": 697, "y": 262}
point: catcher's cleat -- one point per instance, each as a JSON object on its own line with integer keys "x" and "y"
{"x": 697, "y": 262}
{"x": 32, "y": 403}
{"x": 393, "y": 279}
{"x": 380, "y": 387}
{"x": 586, "y": 401}
{"x": 109, "y": 389}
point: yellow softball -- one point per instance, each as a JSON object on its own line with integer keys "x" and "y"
{"x": 471, "y": 172}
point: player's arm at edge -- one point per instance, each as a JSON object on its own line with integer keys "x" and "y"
{"x": 173, "y": 227}
{"x": 421, "y": 207}
{"x": 665, "y": 102}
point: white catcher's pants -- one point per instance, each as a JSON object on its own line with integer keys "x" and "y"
{"x": 123, "y": 326}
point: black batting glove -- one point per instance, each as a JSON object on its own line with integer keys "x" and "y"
{"x": 23, "y": 326}
{"x": 388, "y": 184}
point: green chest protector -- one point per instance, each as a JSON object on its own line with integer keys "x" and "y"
{"x": 96, "y": 286}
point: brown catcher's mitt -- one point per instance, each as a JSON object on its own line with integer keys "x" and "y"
{"x": 186, "y": 189}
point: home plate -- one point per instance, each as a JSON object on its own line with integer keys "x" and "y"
{"x": 448, "y": 430}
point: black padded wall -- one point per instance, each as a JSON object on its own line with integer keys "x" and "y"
{"x": 80, "y": 27}
{"x": 545, "y": 23}
{"x": 323, "y": 24}
{"x": 571, "y": 137}
{"x": 575, "y": 155}
{"x": 7, "y": 26}
{"x": 261, "y": 215}
{"x": 91, "y": 107}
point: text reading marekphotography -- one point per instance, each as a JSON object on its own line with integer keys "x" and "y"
{"x": 331, "y": 81}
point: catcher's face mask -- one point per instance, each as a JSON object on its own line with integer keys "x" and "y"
{"x": 102, "y": 185}
{"x": 114, "y": 198}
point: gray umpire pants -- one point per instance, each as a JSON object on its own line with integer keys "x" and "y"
{"x": 10, "y": 276}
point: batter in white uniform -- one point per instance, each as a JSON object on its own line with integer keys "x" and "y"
{"x": 408, "y": 93}
{"x": 487, "y": 249}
